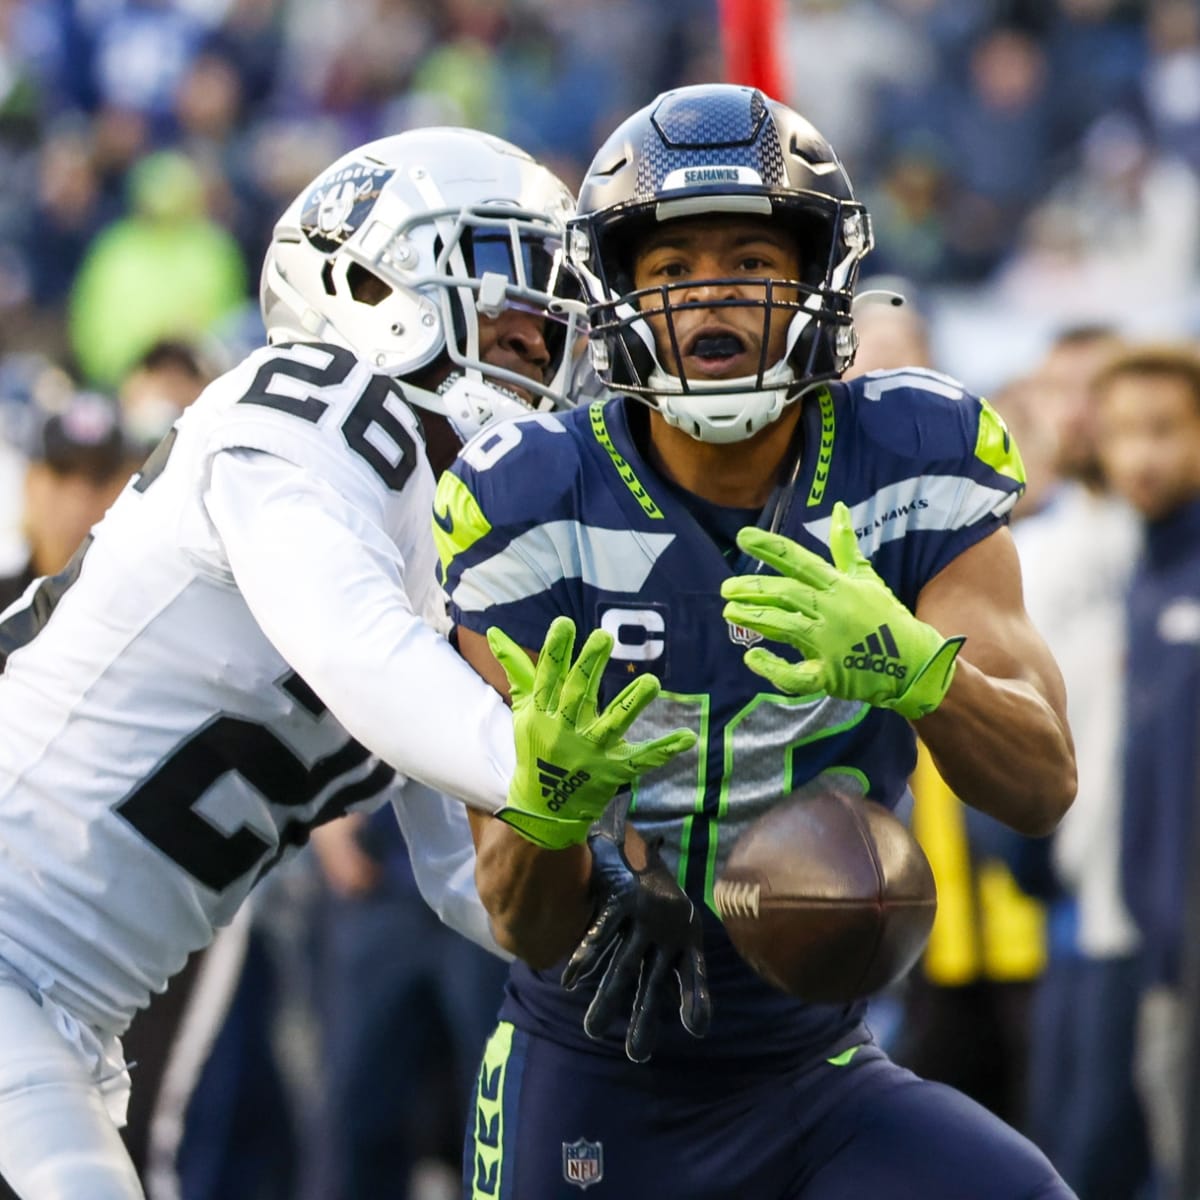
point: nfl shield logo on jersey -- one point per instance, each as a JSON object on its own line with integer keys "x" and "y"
{"x": 583, "y": 1162}
{"x": 741, "y": 636}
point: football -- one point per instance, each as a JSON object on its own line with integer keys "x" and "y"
{"x": 827, "y": 896}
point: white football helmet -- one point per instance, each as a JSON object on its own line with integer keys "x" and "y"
{"x": 452, "y": 223}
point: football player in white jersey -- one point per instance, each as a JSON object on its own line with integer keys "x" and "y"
{"x": 238, "y": 651}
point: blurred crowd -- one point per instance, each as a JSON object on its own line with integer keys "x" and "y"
{"x": 1058, "y": 986}
{"x": 147, "y": 146}
{"x": 1042, "y": 154}
{"x": 1033, "y": 171}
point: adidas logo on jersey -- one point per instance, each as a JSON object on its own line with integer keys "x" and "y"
{"x": 877, "y": 652}
{"x": 558, "y": 784}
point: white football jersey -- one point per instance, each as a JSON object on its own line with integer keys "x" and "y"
{"x": 235, "y": 656}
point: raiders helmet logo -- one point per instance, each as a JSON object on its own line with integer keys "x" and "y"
{"x": 338, "y": 203}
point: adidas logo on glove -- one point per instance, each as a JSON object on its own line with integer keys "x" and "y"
{"x": 878, "y": 653}
{"x": 558, "y": 784}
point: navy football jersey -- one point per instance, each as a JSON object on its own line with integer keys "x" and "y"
{"x": 562, "y": 514}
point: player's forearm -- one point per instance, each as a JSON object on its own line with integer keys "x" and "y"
{"x": 1003, "y": 749}
{"x": 538, "y": 900}
{"x": 392, "y": 681}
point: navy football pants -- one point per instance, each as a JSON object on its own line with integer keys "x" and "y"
{"x": 550, "y": 1122}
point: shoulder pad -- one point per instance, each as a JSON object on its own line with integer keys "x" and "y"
{"x": 511, "y": 475}
{"x": 929, "y": 418}
{"x": 318, "y": 406}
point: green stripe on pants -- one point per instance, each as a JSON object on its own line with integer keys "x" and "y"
{"x": 489, "y": 1115}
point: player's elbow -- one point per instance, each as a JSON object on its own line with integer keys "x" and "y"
{"x": 1063, "y": 800}
{"x": 535, "y": 942}
{"x": 523, "y": 943}
{"x": 1047, "y": 807}
{"x": 508, "y": 937}
{"x": 506, "y": 914}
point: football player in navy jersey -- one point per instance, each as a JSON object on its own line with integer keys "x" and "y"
{"x": 248, "y": 644}
{"x": 813, "y": 568}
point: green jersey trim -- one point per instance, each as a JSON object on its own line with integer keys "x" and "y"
{"x": 704, "y": 703}
{"x": 856, "y": 717}
{"x": 995, "y": 446}
{"x": 844, "y": 1059}
{"x": 816, "y": 493}
{"x": 628, "y": 475}
{"x": 458, "y": 521}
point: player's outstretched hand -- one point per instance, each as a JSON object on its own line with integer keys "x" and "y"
{"x": 859, "y": 642}
{"x": 571, "y": 758}
{"x": 646, "y": 936}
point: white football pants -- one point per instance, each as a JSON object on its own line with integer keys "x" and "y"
{"x": 58, "y": 1140}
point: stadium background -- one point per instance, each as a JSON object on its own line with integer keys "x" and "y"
{"x": 1029, "y": 164}
{"x": 1026, "y": 160}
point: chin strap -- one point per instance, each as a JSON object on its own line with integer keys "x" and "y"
{"x": 739, "y": 397}
{"x": 468, "y": 404}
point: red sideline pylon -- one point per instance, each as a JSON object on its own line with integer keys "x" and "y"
{"x": 750, "y": 35}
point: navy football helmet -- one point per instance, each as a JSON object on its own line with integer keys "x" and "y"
{"x": 699, "y": 151}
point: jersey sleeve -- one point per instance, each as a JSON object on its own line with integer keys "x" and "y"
{"x": 953, "y": 472}
{"x": 504, "y": 520}
{"x": 322, "y": 409}
{"x": 442, "y": 853}
{"x": 326, "y": 586}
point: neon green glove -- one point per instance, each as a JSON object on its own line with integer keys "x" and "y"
{"x": 858, "y": 640}
{"x": 571, "y": 760}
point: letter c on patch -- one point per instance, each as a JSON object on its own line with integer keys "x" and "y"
{"x": 636, "y": 633}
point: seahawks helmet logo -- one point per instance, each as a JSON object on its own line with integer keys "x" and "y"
{"x": 339, "y": 202}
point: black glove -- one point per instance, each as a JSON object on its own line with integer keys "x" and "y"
{"x": 646, "y": 930}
